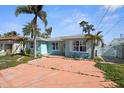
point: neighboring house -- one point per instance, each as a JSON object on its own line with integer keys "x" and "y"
{"x": 115, "y": 49}
{"x": 69, "y": 46}
{"x": 10, "y": 45}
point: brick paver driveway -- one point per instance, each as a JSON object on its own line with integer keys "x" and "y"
{"x": 54, "y": 72}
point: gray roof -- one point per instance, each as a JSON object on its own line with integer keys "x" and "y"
{"x": 61, "y": 38}
{"x": 38, "y": 38}
{"x": 55, "y": 39}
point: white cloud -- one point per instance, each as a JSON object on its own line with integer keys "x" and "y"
{"x": 113, "y": 7}
{"x": 111, "y": 17}
{"x": 74, "y": 18}
{"x": 71, "y": 23}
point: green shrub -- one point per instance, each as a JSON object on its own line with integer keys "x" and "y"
{"x": 28, "y": 51}
{"x": 39, "y": 55}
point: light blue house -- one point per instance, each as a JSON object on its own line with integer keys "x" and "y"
{"x": 68, "y": 46}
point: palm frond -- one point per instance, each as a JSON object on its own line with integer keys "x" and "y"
{"x": 99, "y": 32}
{"x": 42, "y": 15}
{"x": 39, "y": 7}
{"x": 49, "y": 30}
{"x": 102, "y": 43}
{"x": 23, "y": 10}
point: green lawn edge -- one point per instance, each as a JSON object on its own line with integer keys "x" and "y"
{"x": 114, "y": 72}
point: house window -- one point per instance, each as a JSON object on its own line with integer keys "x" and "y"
{"x": 1, "y": 46}
{"x": 79, "y": 46}
{"x": 55, "y": 46}
{"x": 31, "y": 45}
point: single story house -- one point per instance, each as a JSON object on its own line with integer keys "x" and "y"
{"x": 68, "y": 46}
{"x": 115, "y": 49}
{"x": 11, "y": 45}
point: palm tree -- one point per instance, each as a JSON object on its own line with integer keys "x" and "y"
{"x": 87, "y": 28}
{"x": 37, "y": 10}
{"x": 90, "y": 28}
{"x": 84, "y": 25}
{"x": 95, "y": 39}
{"x": 28, "y": 30}
{"x": 48, "y": 31}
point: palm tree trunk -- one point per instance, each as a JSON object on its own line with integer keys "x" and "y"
{"x": 34, "y": 28}
{"x": 32, "y": 34}
{"x": 92, "y": 51}
{"x": 88, "y": 32}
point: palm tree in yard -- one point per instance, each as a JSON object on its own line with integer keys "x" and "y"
{"x": 38, "y": 12}
{"x": 28, "y": 30}
{"x": 48, "y": 31}
{"x": 90, "y": 28}
{"x": 95, "y": 39}
{"x": 87, "y": 28}
{"x": 84, "y": 25}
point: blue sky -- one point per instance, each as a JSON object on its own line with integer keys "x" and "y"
{"x": 65, "y": 19}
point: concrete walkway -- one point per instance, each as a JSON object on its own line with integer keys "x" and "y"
{"x": 54, "y": 72}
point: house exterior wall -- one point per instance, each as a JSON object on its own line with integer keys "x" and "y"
{"x": 70, "y": 53}
{"x": 108, "y": 51}
{"x": 55, "y": 52}
{"x": 120, "y": 51}
{"x": 41, "y": 48}
{"x": 16, "y": 47}
{"x": 29, "y": 46}
{"x": 123, "y": 51}
{"x": 45, "y": 48}
{"x": 116, "y": 51}
{"x": 65, "y": 49}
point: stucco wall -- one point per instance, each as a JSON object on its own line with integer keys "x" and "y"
{"x": 64, "y": 49}
{"x": 38, "y": 47}
{"x": 49, "y": 50}
{"x": 42, "y": 48}
{"x": 70, "y": 53}
{"x": 54, "y": 52}
{"x": 16, "y": 47}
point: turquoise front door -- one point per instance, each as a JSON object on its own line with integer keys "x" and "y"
{"x": 44, "y": 49}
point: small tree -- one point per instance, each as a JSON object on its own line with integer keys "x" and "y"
{"x": 10, "y": 34}
{"x": 95, "y": 39}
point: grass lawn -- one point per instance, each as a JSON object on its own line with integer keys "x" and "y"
{"x": 11, "y": 61}
{"x": 114, "y": 72}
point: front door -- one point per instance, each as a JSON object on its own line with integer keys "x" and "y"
{"x": 44, "y": 49}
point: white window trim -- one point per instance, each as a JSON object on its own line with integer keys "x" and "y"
{"x": 78, "y": 47}
{"x": 55, "y": 46}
